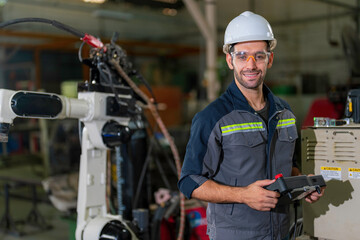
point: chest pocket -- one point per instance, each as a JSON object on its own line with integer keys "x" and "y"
{"x": 244, "y": 147}
{"x": 283, "y": 150}
{"x": 246, "y": 139}
{"x": 243, "y": 134}
{"x": 286, "y": 129}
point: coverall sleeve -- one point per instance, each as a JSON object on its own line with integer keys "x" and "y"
{"x": 202, "y": 155}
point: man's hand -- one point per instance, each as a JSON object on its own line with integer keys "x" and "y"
{"x": 314, "y": 196}
{"x": 258, "y": 198}
{"x": 253, "y": 195}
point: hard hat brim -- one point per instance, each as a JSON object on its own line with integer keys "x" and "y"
{"x": 273, "y": 42}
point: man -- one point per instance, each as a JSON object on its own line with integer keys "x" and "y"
{"x": 241, "y": 141}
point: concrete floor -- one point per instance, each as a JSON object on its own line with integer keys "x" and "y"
{"x": 62, "y": 226}
{"x": 59, "y": 226}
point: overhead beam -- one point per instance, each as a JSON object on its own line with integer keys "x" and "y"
{"x": 208, "y": 27}
{"x": 200, "y": 21}
{"x": 135, "y": 47}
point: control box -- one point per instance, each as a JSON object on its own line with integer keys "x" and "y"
{"x": 296, "y": 187}
{"x": 333, "y": 152}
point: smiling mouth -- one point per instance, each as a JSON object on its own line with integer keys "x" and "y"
{"x": 251, "y": 74}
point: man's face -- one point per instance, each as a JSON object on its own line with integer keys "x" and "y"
{"x": 250, "y": 60}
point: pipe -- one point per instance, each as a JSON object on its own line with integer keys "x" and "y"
{"x": 208, "y": 29}
{"x": 195, "y": 12}
{"x": 211, "y": 51}
{"x": 154, "y": 112}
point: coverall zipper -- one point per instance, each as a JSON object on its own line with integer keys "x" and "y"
{"x": 269, "y": 172}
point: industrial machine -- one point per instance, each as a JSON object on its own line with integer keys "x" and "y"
{"x": 331, "y": 148}
{"x": 102, "y": 129}
{"x": 109, "y": 107}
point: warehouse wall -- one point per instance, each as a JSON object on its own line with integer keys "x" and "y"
{"x": 309, "y": 52}
{"x": 305, "y": 48}
{"x": 303, "y": 44}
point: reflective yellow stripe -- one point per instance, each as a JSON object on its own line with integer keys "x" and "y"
{"x": 241, "y": 127}
{"x": 286, "y": 122}
{"x": 242, "y": 124}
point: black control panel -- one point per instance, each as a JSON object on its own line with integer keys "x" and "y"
{"x": 296, "y": 187}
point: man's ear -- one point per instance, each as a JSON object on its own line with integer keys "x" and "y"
{"x": 271, "y": 60}
{"x": 229, "y": 61}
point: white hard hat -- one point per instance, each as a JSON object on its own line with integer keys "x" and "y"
{"x": 248, "y": 26}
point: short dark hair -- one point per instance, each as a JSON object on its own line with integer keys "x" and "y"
{"x": 231, "y": 47}
{"x": 268, "y": 46}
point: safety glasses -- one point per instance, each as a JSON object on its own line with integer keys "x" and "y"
{"x": 243, "y": 56}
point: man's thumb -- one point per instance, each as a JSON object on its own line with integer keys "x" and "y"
{"x": 266, "y": 182}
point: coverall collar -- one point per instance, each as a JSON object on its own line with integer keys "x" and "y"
{"x": 240, "y": 102}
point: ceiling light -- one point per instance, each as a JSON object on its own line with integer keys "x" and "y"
{"x": 94, "y": 1}
{"x": 169, "y": 11}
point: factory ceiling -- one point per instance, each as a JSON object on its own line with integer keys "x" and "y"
{"x": 148, "y": 22}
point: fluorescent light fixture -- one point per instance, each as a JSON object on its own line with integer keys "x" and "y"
{"x": 94, "y": 1}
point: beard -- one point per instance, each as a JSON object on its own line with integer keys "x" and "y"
{"x": 254, "y": 84}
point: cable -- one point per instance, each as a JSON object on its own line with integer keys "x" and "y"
{"x": 295, "y": 222}
{"x": 105, "y": 72}
{"x": 89, "y": 39}
{"x": 165, "y": 153}
{"x": 80, "y": 52}
{"x": 44, "y": 20}
{"x": 160, "y": 123}
{"x": 147, "y": 85}
{"x": 162, "y": 173}
{"x": 153, "y": 141}
{"x": 142, "y": 174}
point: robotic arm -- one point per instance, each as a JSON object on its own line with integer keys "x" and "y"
{"x": 36, "y": 105}
{"x": 107, "y": 106}
{"x": 104, "y": 128}
{"x": 94, "y": 109}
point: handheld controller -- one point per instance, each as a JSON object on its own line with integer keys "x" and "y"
{"x": 296, "y": 187}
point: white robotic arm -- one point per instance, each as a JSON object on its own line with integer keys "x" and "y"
{"x": 106, "y": 105}
{"x": 102, "y": 128}
{"x": 37, "y": 105}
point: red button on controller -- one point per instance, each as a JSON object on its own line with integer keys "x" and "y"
{"x": 278, "y": 176}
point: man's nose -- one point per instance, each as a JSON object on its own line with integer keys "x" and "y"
{"x": 250, "y": 62}
{"x": 251, "y": 56}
